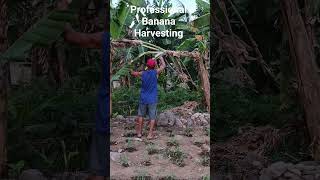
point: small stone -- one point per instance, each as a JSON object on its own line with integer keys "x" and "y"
{"x": 120, "y": 117}
{"x": 137, "y": 139}
{"x": 115, "y": 156}
{"x": 120, "y": 150}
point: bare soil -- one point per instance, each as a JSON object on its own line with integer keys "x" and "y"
{"x": 161, "y": 163}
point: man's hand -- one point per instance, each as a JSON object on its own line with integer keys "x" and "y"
{"x": 63, "y": 4}
{"x": 135, "y": 73}
{"x": 162, "y": 65}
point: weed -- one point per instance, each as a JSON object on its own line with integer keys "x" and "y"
{"x": 176, "y": 155}
{"x": 152, "y": 149}
{"x": 147, "y": 160}
{"x": 207, "y": 131}
{"x": 206, "y": 177}
{"x": 130, "y": 134}
{"x": 205, "y": 161}
{"x": 188, "y": 132}
{"x": 198, "y": 142}
{"x": 169, "y": 177}
{"x": 130, "y": 146}
{"x": 142, "y": 175}
{"x": 124, "y": 160}
{"x": 172, "y": 142}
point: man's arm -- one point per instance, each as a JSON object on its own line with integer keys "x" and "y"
{"x": 136, "y": 73}
{"x": 84, "y": 40}
{"x": 162, "y": 65}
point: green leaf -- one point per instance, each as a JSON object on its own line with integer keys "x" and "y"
{"x": 43, "y": 33}
{"x": 202, "y": 21}
{"x": 188, "y": 43}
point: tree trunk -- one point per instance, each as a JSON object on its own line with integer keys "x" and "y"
{"x": 303, "y": 58}
{"x": 3, "y": 88}
{"x": 205, "y": 83}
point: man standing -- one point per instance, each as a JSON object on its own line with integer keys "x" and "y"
{"x": 148, "y": 95}
{"x": 99, "y": 151}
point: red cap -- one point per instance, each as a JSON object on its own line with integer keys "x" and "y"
{"x": 151, "y": 63}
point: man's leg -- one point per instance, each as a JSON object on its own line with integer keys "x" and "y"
{"x": 98, "y": 156}
{"x": 152, "y": 108}
{"x": 139, "y": 126}
{"x": 141, "y": 113}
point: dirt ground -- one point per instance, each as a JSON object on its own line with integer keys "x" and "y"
{"x": 178, "y": 153}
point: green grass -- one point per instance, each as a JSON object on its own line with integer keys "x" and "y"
{"x": 126, "y": 100}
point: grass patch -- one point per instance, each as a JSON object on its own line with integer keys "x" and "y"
{"x": 152, "y": 149}
{"x": 130, "y": 147}
{"x": 188, "y": 132}
{"x": 176, "y": 156}
{"x": 124, "y": 161}
{"x": 172, "y": 142}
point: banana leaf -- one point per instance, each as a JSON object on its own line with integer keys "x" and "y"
{"x": 43, "y": 33}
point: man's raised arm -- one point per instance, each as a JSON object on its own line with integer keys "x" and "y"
{"x": 162, "y": 65}
{"x": 84, "y": 40}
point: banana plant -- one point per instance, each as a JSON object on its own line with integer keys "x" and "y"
{"x": 43, "y": 33}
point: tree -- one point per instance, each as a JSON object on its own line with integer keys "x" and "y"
{"x": 3, "y": 87}
{"x": 303, "y": 57}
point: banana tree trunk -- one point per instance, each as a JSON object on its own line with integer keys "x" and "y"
{"x": 3, "y": 89}
{"x": 205, "y": 83}
{"x": 302, "y": 55}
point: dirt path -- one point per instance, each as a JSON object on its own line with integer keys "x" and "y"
{"x": 167, "y": 161}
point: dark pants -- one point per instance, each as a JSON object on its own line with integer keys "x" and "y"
{"x": 98, "y": 154}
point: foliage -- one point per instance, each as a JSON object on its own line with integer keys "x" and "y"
{"x": 43, "y": 33}
{"x": 125, "y": 100}
{"x": 45, "y": 123}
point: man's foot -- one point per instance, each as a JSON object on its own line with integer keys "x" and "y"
{"x": 151, "y": 136}
{"x": 139, "y": 135}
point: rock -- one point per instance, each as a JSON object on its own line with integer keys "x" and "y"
{"x": 115, "y": 156}
{"x": 137, "y": 139}
{"x": 179, "y": 124}
{"x": 32, "y": 174}
{"x": 189, "y": 122}
{"x": 120, "y": 150}
{"x": 167, "y": 118}
{"x": 278, "y": 168}
{"x": 120, "y": 117}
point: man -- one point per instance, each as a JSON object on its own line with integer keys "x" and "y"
{"x": 99, "y": 151}
{"x": 148, "y": 95}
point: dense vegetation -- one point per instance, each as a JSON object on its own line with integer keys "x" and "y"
{"x": 256, "y": 77}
